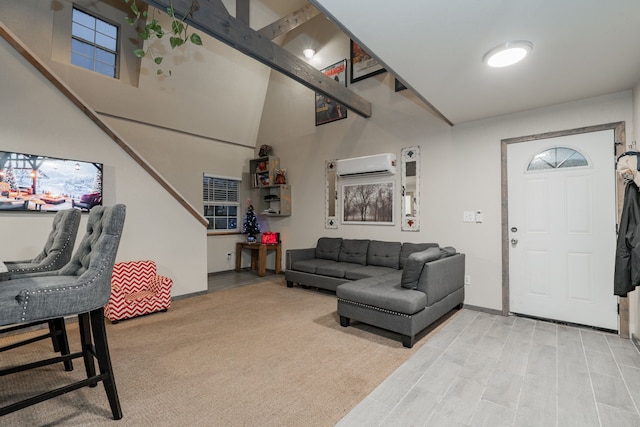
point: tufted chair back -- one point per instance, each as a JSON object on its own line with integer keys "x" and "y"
{"x": 57, "y": 249}
{"x": 98, "y": 247}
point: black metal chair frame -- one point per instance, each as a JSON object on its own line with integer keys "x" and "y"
{"x": 93, "y": 339}
{"x": 57, "y": 333}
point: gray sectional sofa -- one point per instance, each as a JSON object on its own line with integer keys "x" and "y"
{"x": 401, "y": 287}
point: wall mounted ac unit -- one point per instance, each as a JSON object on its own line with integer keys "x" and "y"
{"x": 368, "y": 165}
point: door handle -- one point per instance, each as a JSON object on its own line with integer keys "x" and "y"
{"x": 514, "y": 242}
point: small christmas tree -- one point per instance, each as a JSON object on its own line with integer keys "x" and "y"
{"x": 250, "y": 224}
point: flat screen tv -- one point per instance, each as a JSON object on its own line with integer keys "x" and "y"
{"x": 31, "y": 182}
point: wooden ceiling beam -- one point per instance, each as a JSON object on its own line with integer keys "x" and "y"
{"x": 242, "y": 11}
{"x": 293, "y": 20}
{"x": 212, "y": 18}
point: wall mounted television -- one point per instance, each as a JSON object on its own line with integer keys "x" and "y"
{"x": 35, "y": 183}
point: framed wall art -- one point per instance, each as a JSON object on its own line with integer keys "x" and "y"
{"x": 368, "y": 203}
{"x": 363, "y": 65}
{"x": 327, "y": 109}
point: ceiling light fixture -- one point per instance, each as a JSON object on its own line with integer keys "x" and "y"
{"x": 308, "y": 53}
{"x": 507, "y": 53}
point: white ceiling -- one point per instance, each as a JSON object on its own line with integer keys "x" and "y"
{"x": 582, "y": 48}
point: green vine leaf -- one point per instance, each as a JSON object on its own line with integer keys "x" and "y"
{"x": 177, "y": 27}
{"x": 140, "y": 53}
{"x": 195, "y": 39}
{"x": 158, "y": 60}
{"x": 175, "y": 42}
{"x": 134, "y": 9}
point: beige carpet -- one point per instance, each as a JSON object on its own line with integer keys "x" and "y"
{"x": 255, "y": 355}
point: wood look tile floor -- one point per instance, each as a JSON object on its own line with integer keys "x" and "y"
{"x": 488, "y": 370}
{"x": 482, "y": 369}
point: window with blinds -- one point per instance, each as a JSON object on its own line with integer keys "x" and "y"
{"x": 221, "y": 200}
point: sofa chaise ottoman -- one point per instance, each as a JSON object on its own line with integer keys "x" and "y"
{"x": 430, "y": 285}
{"x": 401, "y": 287}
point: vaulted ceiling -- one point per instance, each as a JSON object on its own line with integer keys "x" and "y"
{"x": 582, "y": 49}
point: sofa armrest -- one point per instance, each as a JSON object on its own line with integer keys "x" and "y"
{"x": 294, "y": 255}
{"x": 442, "y": 277}
{"x": 160, "y": 284}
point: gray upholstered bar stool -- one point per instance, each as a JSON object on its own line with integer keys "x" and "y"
{"x": 56, "y": 254}
{"x": 80, "y": 288}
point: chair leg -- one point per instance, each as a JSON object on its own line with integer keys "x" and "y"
{"x": 104, "y": 361}
{"x": 52, "y": 331}
{"x": 58, "y": 332}
{"x": 87, "y": 345}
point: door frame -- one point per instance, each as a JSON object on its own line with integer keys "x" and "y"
{"x": 620, "y": 147}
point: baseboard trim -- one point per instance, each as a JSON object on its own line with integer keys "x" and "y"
{"x": 483, "y": 309}
{"x": 190, "y": 295}
{"x": 242, "y": 270}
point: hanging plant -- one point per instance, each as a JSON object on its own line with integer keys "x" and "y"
{"x": 178, "y": 34}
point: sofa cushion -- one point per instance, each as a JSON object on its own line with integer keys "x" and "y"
{"x": 310, "y": 265}
{"x": 384, "y": 254}
{"x": 413, "y": 269}
{"x": 328, "y": 248}
{"x": 442, "y": 277}
{"x": 354, "y": 251}
{"x": 336, "y": 269}
{"x": 447, "y": 251}
{"x": 382, "y": 293}
{"x": 363, "y": 272}
{"x": 409, "y": 248}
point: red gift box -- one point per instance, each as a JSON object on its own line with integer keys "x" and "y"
{"x": 270, "y": 238}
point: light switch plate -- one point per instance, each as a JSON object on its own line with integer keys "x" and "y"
{"x": 469, "y": 216}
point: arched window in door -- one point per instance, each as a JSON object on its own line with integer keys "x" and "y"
{"x": 556, "y": 158}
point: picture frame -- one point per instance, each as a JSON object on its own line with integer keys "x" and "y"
{"x": 398, "y": 86}
{"x": 363, "y": 65}
{"x": 327, "y": 109}
{"x": 370, "y": 203}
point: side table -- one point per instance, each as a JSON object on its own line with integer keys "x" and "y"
{"x": 258, "y": 256}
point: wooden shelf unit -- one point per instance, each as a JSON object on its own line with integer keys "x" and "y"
{"x": 274, "y": 199}
{"x": 263, "y": 171}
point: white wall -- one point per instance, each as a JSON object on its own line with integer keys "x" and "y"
{"x": 202, "y": 119}
{"x": 36, "y": 118}
{"x": 460, "y": 165}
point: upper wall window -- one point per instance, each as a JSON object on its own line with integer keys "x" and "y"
{"x": 94, "y": 43}
{"x": 557, "y": 158}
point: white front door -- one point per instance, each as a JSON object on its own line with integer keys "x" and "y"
{"x": 562, "y": 219}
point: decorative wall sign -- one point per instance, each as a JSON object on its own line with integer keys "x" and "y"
{"x": 327, "y": 109}
{"x": 410, "y": 189}
{"x": 331, "y": 195}
{"x": 368, "y": 203}
{"x": 363, "y": 65}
